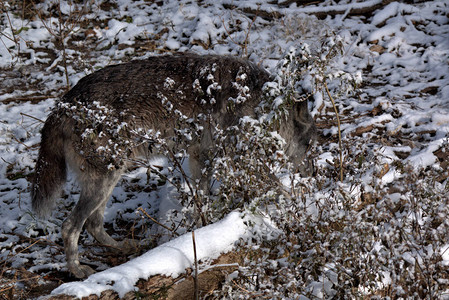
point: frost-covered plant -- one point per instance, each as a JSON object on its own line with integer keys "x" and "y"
{"x": 97, "y": 124}
{"x": 245, "y": 159}
{"x": 314, "y": 71}
{"x": 61, "y": 25}
{"x": 9, "y": 34}
{"x": 237, "y": 34}
{"x": 248, "y": 157}
{"x": 317, "y": 67}
{"x": 334, "y": 244}
{"x": 190, "y": 197}
{"x": 353, "y": 239}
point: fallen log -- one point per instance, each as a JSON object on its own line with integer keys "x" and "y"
{"x": 182, "y": 287}
{"x": 365, "y": 8}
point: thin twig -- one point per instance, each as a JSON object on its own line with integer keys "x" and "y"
{"x": 17, "y": 281}
{"x": 244, "y": 44}
{"x": 194, "y": 193}
{"x": 13, "y": 33}
{"x": 20, "y": 142}
{"x": 62, "y": 31}
{"x": 251, "y": 294}
{"x": 195, "y": 277}
{"x": 339, "y": 129}
{"x": 155, "y": 221}
{"x": 29, "y": 116}
{"x": 23, "y": 99}
{"x": 15, "y": 254}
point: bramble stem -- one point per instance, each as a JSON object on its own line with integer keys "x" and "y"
{"x": 339, "y": 129}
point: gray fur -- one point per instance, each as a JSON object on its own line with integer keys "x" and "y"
{"x": 131, "y": 94}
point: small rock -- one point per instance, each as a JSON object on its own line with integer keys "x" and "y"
{"x": 377, "y": 48}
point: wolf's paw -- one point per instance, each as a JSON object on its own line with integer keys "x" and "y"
{"x": 80, "y": 271}
{"x": 128, "y": 246}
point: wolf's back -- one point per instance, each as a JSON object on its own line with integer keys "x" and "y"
{"x": 51, "y": 170}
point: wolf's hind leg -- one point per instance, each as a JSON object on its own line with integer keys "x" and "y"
{"x": 94, "y": 225}
{"x": 94, "y": 195}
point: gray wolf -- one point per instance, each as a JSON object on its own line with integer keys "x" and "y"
{"x": 90, "y": 129}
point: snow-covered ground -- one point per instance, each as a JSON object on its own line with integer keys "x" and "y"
{"x": 398, "y": 120}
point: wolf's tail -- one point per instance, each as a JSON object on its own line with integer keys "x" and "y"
{"x": 51, "y": 170}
